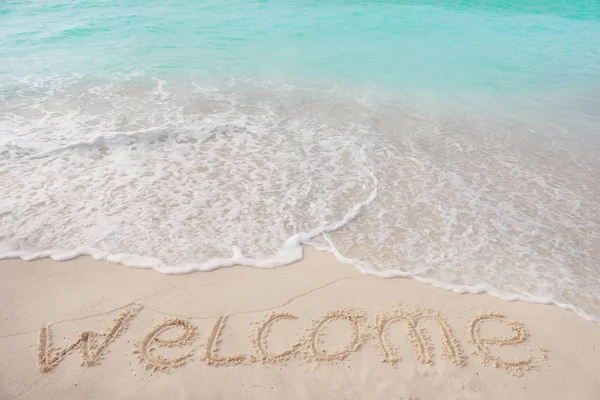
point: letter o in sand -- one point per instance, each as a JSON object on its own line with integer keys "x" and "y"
{"x": 317, "y": 332}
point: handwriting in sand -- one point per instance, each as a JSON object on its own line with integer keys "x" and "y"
{"x": 93, "y": 345}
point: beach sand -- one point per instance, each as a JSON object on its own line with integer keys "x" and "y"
{"x": 318, "y": 329}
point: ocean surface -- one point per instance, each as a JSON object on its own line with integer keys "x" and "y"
{"x": 453, "y": 141}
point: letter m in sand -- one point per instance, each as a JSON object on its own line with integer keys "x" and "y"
{"x": 418, "y": 337}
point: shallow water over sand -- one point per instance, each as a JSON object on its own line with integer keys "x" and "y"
{"x": 457, "y": 143}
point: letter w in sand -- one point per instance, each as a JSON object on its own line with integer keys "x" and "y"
{"x": 420, "y": 340}
{"x": 91, "y": 344}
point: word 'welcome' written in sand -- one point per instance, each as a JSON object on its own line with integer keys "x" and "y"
{"x": 309, "y": 346}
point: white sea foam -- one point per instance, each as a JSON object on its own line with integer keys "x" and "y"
{"x": 190, "y": 176}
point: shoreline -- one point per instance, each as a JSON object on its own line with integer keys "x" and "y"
{"x": 315, "y": 329}
{"x": 297, "y": 253}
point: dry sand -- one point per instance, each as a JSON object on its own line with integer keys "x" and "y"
{"x": 314, "y": 330}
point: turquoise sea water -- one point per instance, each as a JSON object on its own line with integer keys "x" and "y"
{"x": 454, "y": 141}
{"x": 497, "y": 47}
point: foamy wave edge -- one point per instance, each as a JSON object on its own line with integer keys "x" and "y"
{"x": 291, "y": 252}
{"x": 367, "y": 269}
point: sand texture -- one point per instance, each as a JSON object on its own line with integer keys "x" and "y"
{"x": 315, "y": 330}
